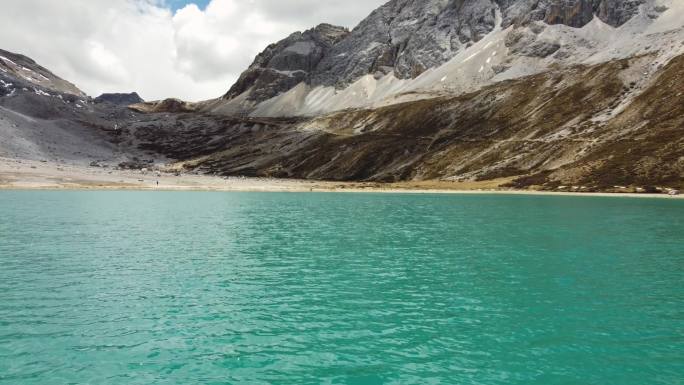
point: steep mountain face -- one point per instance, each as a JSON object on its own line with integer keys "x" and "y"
{"x": 573, "y": 13}
{"x": 287, "y": 63}
{"x": 406, "y": 38}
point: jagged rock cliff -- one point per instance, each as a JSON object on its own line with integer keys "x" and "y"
{"x": 287, "y": 63}
{"x": 573, "y": 13}
{"x": 406, "y": 38}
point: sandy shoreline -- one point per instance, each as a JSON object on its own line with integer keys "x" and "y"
{"x": 36, "y": 175}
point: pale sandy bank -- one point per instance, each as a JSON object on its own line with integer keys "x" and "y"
{"x": 35, "y": 175}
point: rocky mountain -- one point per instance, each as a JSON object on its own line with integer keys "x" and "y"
{"x": 20, "y": 72}
{"x": 119, "y": 99}
{"x": 573, "y": 13}
{"x": 404, "y": 39}
{"x": 167, "y": 105}
{"x": 285, "y": 64}
{"x": 45, "y": 118}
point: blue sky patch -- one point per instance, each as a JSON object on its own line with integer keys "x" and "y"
{"x": 178, "y": 4}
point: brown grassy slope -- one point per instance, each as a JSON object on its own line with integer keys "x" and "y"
{"x": 649, "y": 147}
{"x": 547, "y": 129}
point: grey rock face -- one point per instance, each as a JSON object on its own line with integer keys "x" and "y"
{"x": 524, "y": 42}
{"x": 408, "y": 37}
{"x": 285, "y": 64}
{"x": 119, "y": 99}
{"x": 574, "y": 13}
{"x": 618, "y": 12}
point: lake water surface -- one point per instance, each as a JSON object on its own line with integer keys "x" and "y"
{"x": 264, "y": 288}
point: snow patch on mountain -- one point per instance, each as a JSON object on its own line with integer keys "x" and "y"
{"x": 6, "y": 60}
{"x": 26, "y": 72}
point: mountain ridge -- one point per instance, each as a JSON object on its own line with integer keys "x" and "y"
{"x": 404, "y": 39}
{"x": 26, "y": 72}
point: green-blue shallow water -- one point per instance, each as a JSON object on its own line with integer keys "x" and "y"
{"x": 245, "y": 288}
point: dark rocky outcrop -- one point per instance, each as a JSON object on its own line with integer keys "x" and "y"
{"x": 119, "y": 99}
{"x": 285, "y": 64}
{"x": 524, "y": 42}
{"x": 171, "y": 105}
{"x": 574, "y": 13}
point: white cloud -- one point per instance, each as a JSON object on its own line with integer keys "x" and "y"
{"x": 139, "y": 45}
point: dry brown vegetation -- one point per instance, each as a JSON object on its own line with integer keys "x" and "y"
{"x": 546, "y": 131}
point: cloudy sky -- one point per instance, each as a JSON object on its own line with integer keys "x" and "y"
{"x": 189, "y": 49}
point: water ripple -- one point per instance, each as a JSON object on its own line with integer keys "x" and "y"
{"x": 184, "y": 288}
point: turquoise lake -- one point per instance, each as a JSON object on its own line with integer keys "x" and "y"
{"x": 270, "y": 288}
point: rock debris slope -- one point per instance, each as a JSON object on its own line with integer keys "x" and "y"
{"x": 45, "y": 118}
